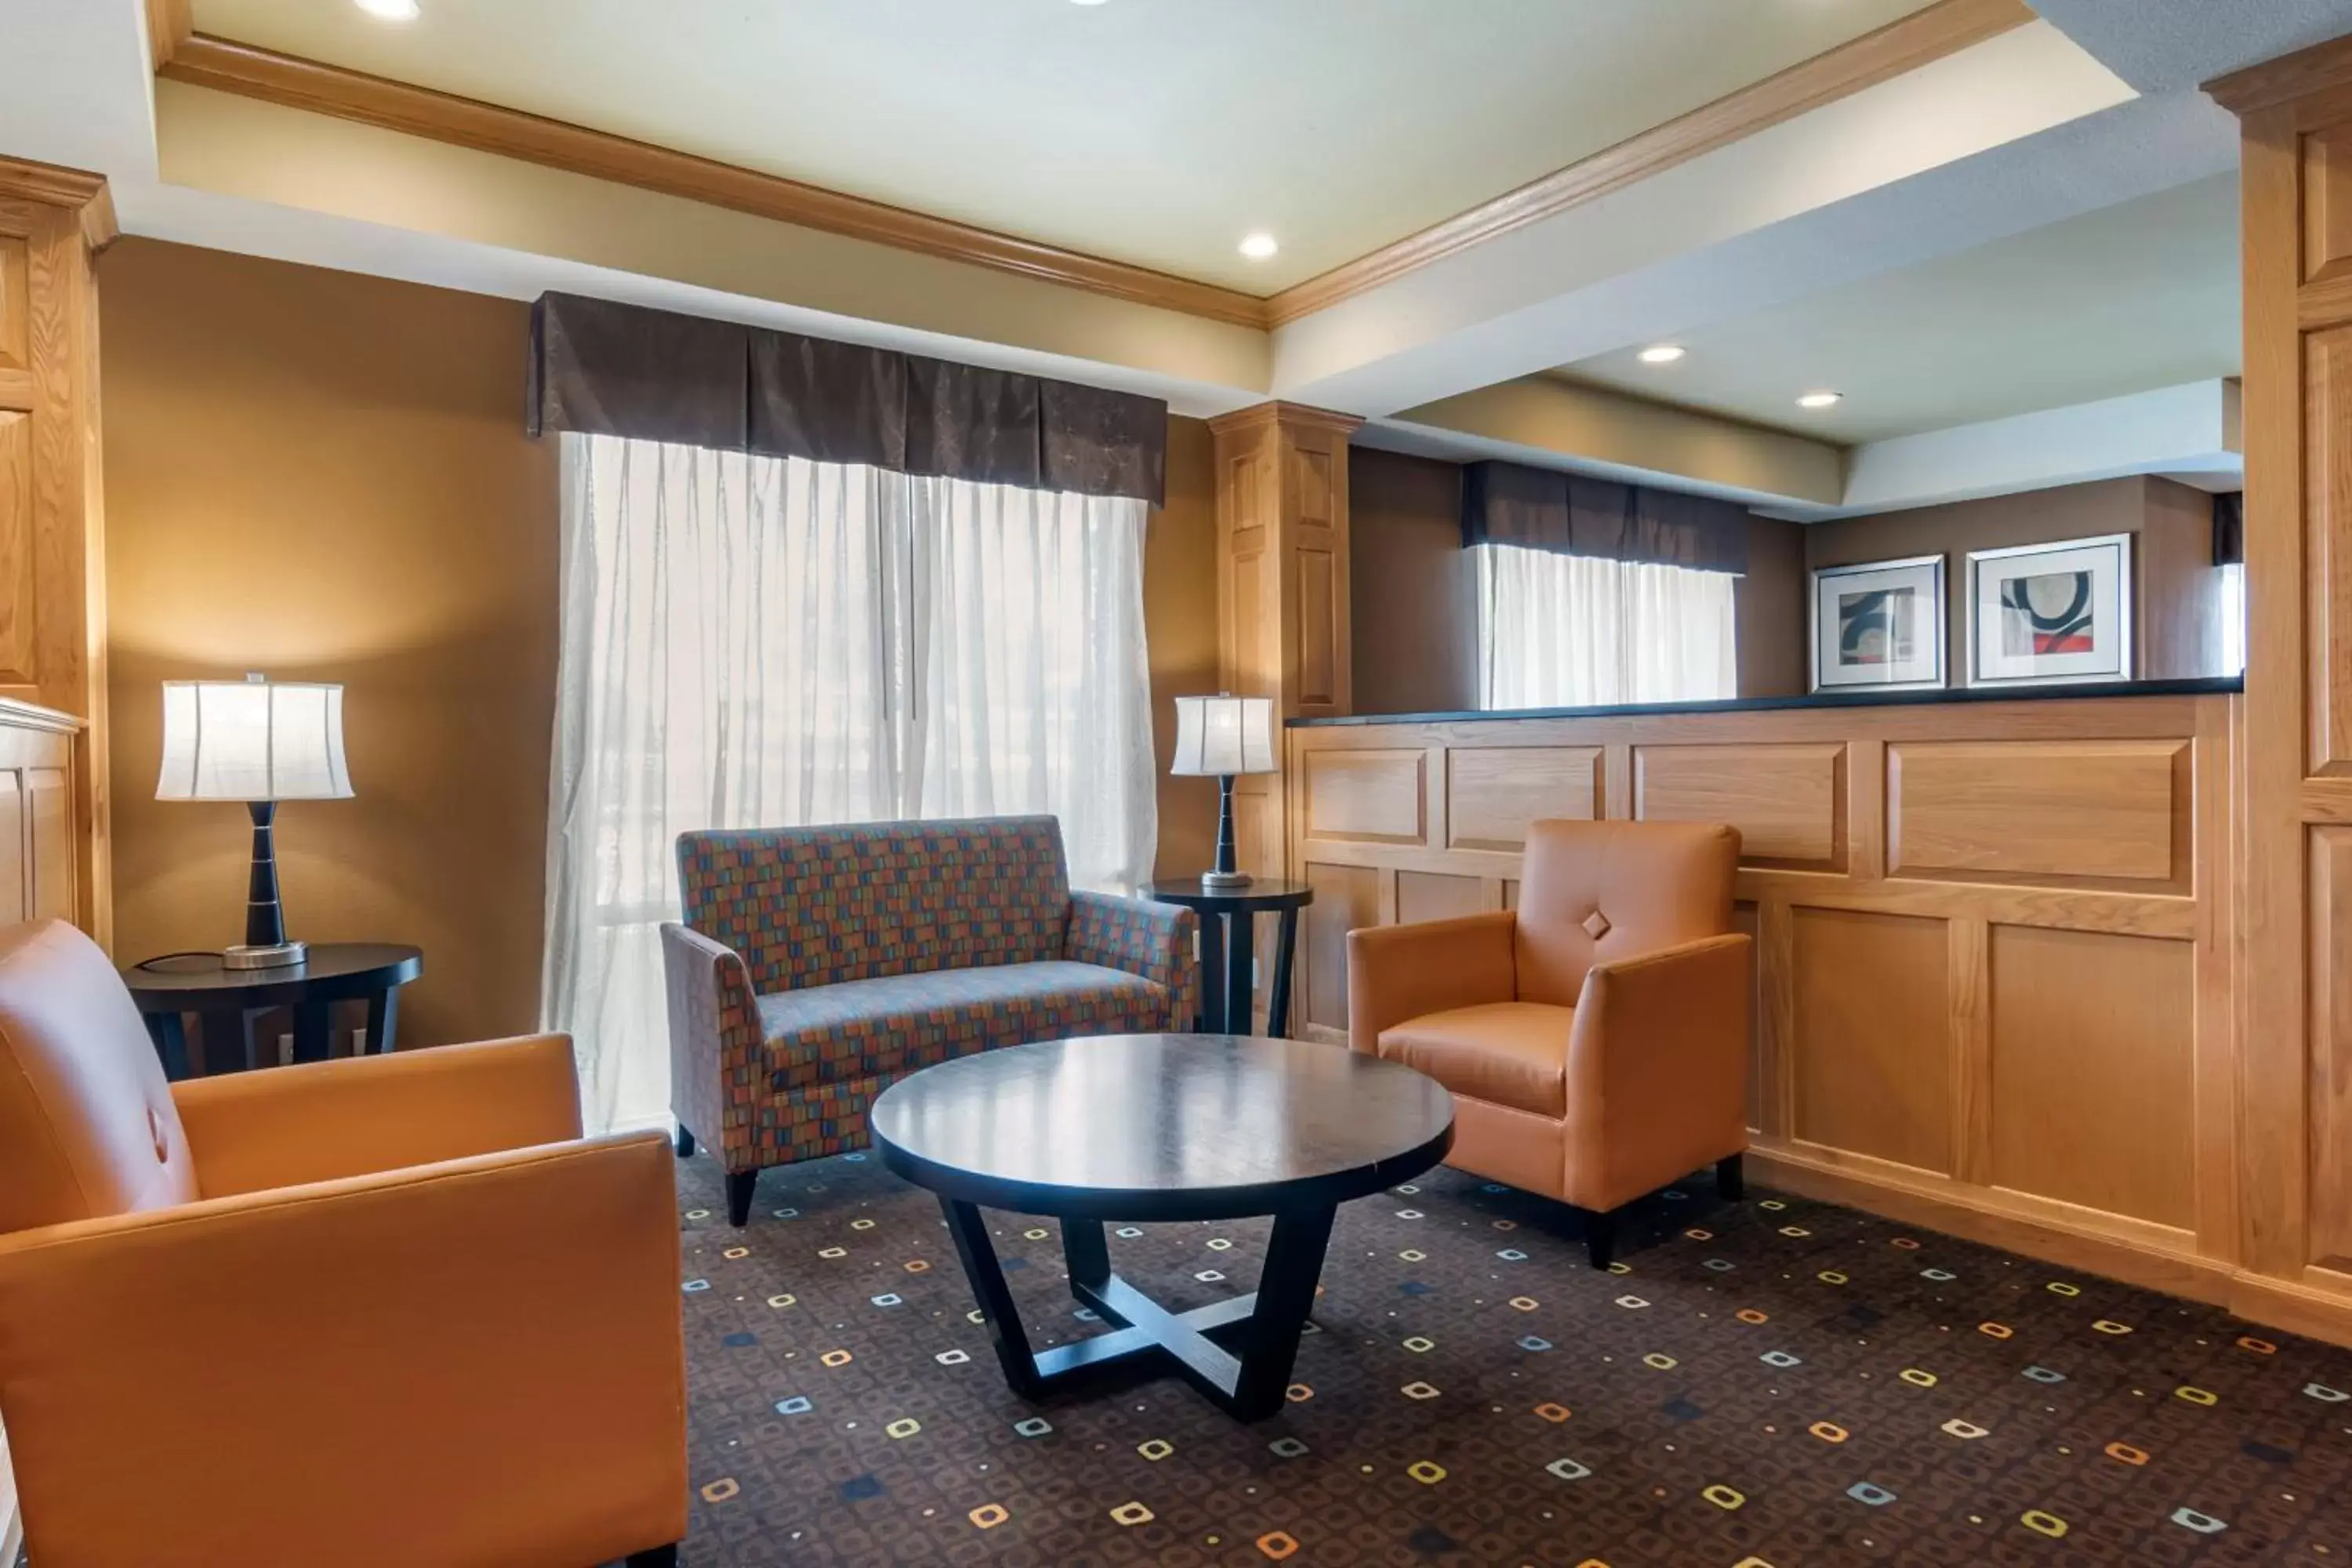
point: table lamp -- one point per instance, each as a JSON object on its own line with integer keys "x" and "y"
{"x": 260, "y": 741}
{"x": 1222, "y": 736}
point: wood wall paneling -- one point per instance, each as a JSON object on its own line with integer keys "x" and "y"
{"x": 17, "y": 664}
{"x": 2090, "y": 813}
{"x": 2093, "y": 1098}
{"x": 1346, "y": 897}
{"x": 1437, "y": 896}
{"x": 16, "y": 303}
{"x": 16, "y": 850}
{"x": 1787, "y": 800}
{"x": 1380, "y": 797}
{"x": 1872, "y": 997}
{"x": 1494, "y": 792}
{"x": 2331, "y": 1037}
{"x": 1994, "y": 949}
{"x": 48, "y": 811}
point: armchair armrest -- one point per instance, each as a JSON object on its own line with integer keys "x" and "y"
{"x": 321, "y": 1121}
{"x": 475, "y": 1362}
{"x": 1152, "y": 940}
{"x": 1395, "y": 973}
{"x": 715, "y": 1039}
{"x": 1657, "y": 1068}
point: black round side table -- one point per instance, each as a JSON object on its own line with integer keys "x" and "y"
{"x": 225, "y": 1000}
{"x": 1226, "y": 971}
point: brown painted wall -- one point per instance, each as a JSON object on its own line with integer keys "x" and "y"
{"x": 1413, "y": 598}
{"x": 1180, "y": 617}
{"x": 2178, "y": 620}
{"x": 1414, "y": 595}
{"x": 324, "y": 476}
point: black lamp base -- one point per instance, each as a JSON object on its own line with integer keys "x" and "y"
{"x": 265, "y": 945}
{"x": 1223, "y": 875}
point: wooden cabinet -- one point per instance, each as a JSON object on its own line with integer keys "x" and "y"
{"x": 52, "y": 590}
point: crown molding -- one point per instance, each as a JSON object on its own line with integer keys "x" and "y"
{"x": 200, "y": 60}
{"x": 169, "y": 25}
{"x": 1286, "y": 414}
{"x": 86, "y": 193}
{"x": 1943, "y": 28}
{"x": 2320, "y": 68}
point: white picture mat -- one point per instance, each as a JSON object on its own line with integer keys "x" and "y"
{"x": 2108, "y": 562}
{"x": 1924, "y": 575}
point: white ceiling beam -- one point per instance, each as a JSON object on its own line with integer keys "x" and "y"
{"x": 2175, "y": 430}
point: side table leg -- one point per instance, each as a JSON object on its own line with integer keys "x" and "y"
{"x": 1286, "y": 1292}
{"x": 1277, "y": 1007}
{"x": 170, "y": 1037}
{"x": 1240, "y": 975}
{"x": 1085, "y": 1251}
{"x": 313, "y": 1029}
{"x": 227, "y": 1035}
{"x": 1212, "y": 974}
{"x": 980, "y": 1264}
{"x": 382, "y": 1020}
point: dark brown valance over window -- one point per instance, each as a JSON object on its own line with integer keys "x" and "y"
{"x": 1568, "y": 514}
{"x": 609, "y": 369}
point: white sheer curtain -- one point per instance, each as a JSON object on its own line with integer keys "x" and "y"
{"x": 751, "y": 642}
{"x": 1576, "y": 631}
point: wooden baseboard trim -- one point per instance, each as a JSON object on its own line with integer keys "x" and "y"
{"x": 2127, "y": 1251}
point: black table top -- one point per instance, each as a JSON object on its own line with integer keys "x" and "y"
{"x": 1261, "y": 893}
{"x": 1145, "y": 1127}
{"x": 191, "y": 981}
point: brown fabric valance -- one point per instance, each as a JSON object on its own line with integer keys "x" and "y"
{"x": 610, "y": 368}
{"x": 1568, "y": 514}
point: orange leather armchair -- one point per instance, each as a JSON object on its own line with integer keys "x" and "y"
{"x": 1595, "y": 1039}
{"x": 378, "y": 1312}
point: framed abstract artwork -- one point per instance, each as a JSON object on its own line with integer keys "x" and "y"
{"x": 2048, "y": 615}
{"x": 1879, "y": 624}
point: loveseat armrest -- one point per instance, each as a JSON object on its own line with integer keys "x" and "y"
{"x": 1657, "y": 1068}
{"x": 1395, "y": 973}
{"x": 717, "y": 1048}
{"x": 1142, "y": 937}
{"x": 316, "y": 1121}
{"x": 476, "y": 1361}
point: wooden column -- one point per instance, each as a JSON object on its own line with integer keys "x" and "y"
{"x": 2293, "y": 964}
{"x": 53, "y": 222}
{"x": 1282, "y": 589}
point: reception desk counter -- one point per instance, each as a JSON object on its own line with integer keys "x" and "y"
{"x": 1992, "y": 933}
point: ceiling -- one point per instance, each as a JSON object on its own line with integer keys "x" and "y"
{"x": 1152, "y": 132}
{"x": 2137, "y": 295}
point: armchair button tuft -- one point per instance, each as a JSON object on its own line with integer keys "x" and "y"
{"x": 1596, "y": 925}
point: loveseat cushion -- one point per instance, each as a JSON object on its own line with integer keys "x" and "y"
{"x": 1505, "y": 1053}
{"x": 897, "y": 1023}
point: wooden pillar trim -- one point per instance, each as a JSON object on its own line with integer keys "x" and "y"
{"x": 2290, "y": 1034}
{"x": 1282, "y": 588}
{"x": 53, "y": 222}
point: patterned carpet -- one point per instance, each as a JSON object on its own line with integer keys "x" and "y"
{"x": 1776, "y": 1383}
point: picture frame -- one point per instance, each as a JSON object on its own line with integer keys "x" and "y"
{"x": 1879, "y": 625}
{"x": 2052, "y": 615}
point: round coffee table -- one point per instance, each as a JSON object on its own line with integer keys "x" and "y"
{"x": 1140, "y": 1128}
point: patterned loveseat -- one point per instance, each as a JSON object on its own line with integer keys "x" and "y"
{"x": 818, "y": 966}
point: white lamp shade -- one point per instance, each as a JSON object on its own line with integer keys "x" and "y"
{"x": 252, "y": 740}
{"x": 1218, "y": 736}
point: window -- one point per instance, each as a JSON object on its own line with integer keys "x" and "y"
{"x": 757, "y": 642}
{"x": 1575, "y": 631}
{"x": 2233, "y": 618}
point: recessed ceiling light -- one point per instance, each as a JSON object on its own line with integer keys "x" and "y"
{"x": 1663, "y": 353}
{"x": 389, "y": 10}
{"x": 1085, "y": 2}
{"x": 1820, "y": 399}
{"x": 1258, "y": 246}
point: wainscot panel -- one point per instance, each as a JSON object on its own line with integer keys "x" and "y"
{"x": 1992, "y": 941}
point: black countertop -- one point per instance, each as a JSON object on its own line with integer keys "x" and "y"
{"x": 2205, "y": 686}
